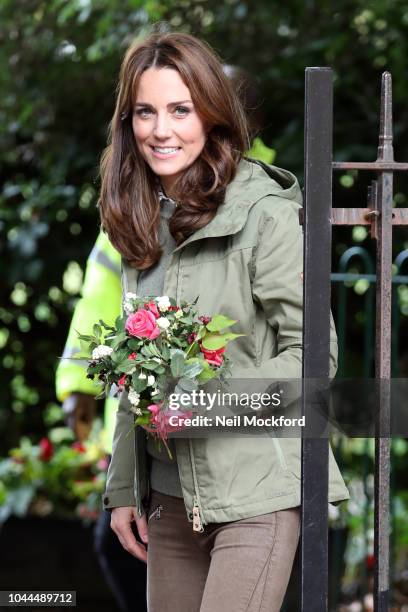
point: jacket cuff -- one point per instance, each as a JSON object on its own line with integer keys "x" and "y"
{"x": 118, "y": 498}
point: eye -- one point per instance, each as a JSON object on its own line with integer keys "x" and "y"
{"x": 143, "y": 112}
{"x": 181, "y": 111}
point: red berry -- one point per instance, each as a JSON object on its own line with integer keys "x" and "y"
{"x": 204, "y": 319}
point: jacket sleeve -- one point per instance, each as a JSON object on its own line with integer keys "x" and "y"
{"x": 121, "y": 473}
{"x": 278, "y": 289}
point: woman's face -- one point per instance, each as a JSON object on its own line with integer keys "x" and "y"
{"x": 168, "y": 131}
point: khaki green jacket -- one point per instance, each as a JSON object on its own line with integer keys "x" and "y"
{"x": 247, "y": 264}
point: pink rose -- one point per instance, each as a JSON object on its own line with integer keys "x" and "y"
{"x": 154, "y": 409}
{"x": 160, "y": 420}
{"x": 213, "y": 357}
{"x": 151, "y": 306}
{"x": 142, "y": 324}
{"x": 132, "y": 356}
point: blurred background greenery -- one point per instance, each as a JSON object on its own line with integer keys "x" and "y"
{"x": 59, "y": 61}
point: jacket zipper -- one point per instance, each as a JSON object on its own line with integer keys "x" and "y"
{"x": 137, "y": 476}
{"x": 197, "y": 524}
{"x": 130, "y": 283}
{"x": 156, "y": 513}
{"x": 197, "y": 511}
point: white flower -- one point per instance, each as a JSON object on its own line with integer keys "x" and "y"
{"x": 155, "y": 392}
{"x": 179, "y": 313}
{"x": 128, "y": 302}
{"x": 137, "y": 411}
{"x": 134, "y": 397}
{"x": 150, "y": 380}
{"x": 142, "y": 376}
{"x": 130, "y": 296}
{"x": 101, "y": 351}
{"x": 128, "y": 308}
{"x": 163, "y": 303}
{"x": 163, "y": 322}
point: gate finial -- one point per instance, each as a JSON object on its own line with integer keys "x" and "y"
{"x": 385, "y": 147}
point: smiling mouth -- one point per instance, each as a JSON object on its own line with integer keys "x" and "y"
{"x": 165, "y": 150}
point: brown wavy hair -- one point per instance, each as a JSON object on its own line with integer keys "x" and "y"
{"x": 128, "y": 202}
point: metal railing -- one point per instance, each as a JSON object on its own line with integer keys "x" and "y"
{"x": 317, "y": 219}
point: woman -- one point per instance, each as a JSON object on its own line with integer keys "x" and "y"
{"x": 191, "y": 217}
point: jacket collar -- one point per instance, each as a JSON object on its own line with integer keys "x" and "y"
{"x": 253, "y": 181}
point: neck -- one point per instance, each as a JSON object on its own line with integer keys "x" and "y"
{"x": 166, "y": 186}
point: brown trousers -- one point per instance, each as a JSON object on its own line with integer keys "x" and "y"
{"x": 240, "y": 566}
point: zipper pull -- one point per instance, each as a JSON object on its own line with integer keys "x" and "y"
{"x": 156, "y": 513}
{"x": 197, "y": 524}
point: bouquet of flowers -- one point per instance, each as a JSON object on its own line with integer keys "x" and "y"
{"x": 155, "y": 347}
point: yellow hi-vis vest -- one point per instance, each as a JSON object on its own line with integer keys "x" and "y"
{"x": 101, "y": 299}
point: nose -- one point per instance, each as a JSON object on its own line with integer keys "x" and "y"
{"x": 162, "y": 128}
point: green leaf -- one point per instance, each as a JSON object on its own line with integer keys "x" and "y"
{"x": 126, "y": 366}
{"x": 151, "y": 365}
{"x": 186, "y": 384}
{"x": 120, "y": 323}
{"x": 186, "y": 320}
{"x": 212, "y": 342}
{"x": 147, "y": 351}
{"x": 133, "y": 344}
{"x": 165, "y": 352}
{"x": 201, "y": 332}
{"x": 85, "y": 337}
{"x": 206, "y": 374}
{"x": 105, "y": 326}
{"x": 193, "y": 350}
{"x": 119, "y": 356}
{"x": 177, "y": 342}
{"x": 139, "y": 384}
{"x": 219, "y": 322}
{"x": 97, "y": 331}
{"x": 121, "y": 337}
{"x": 143, "y": 419}
{"x": 192, "y": 368}
{"x": 177, "y": 362}
{"x": 84, "y": 347}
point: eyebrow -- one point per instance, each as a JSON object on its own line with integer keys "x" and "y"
{"x": 170, "y": 103}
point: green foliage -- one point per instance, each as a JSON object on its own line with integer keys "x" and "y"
{"x": 59, "y": 61}
{"x": 177, "y": 362}
{"x": 54, "y": 476}
{"x": 219, "y": 322}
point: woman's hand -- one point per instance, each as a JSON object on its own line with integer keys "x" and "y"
{"x": 121, "y": 519}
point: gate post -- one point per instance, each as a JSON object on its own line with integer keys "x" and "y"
{"x": 316, "y": 334}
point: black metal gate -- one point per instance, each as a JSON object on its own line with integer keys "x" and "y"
{"x": 317, "y": 218}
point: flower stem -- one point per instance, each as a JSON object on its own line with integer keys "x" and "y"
{"x": 167, "y": 449}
